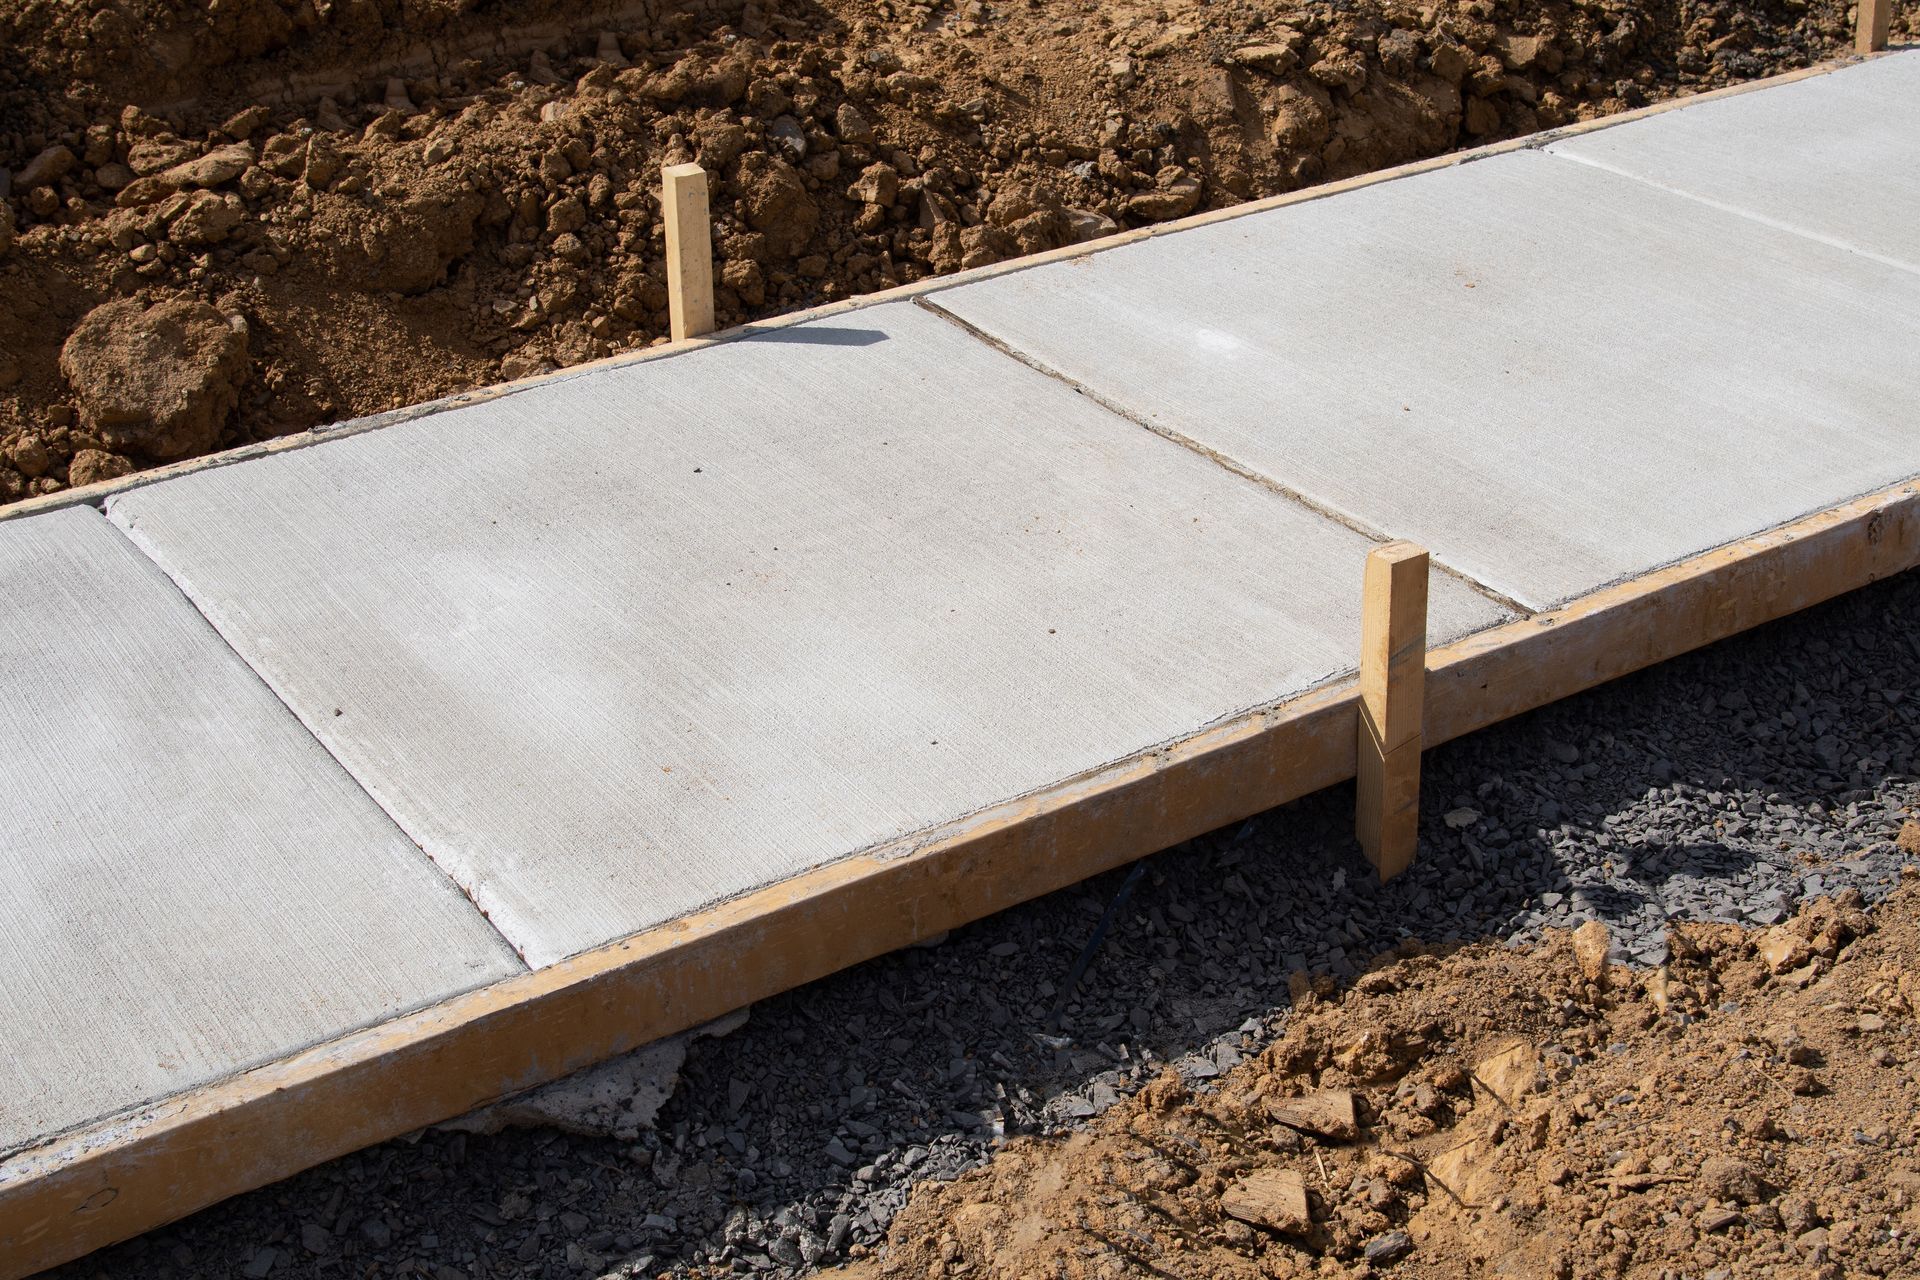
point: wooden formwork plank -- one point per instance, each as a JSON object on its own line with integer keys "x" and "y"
{"x": 117, "y": 1178}
{"x": 1392, "y": 692}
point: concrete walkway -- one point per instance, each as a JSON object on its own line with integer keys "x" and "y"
{"x": 298, "y": 745}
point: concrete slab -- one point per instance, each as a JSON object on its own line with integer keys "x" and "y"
{"x": 1552, "y": 376}
{"x": 634, "y": 642}
{"x": 189, "y": 886}
{"x": 1836, "y": 157}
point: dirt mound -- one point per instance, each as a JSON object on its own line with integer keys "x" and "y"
{"x": 405, "y": 197}
{"x": 1750, "y": 1105}
{"x": 155, "y": 381}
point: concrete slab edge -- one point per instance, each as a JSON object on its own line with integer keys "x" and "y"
{"x": 96, "y": 494}
{"x": 128, "y": 1174}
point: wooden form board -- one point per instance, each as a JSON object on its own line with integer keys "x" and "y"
{"x": 117, "y": 1178}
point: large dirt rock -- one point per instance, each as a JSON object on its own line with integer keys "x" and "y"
{"x": 156, "y": 381}
{"x": 778, "y": 205}
{"x": 405, "y": 246}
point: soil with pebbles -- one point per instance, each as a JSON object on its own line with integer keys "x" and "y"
{"x": 1749, "y": 1107}
{"x": 311, "y": 210}
{"x": 1730, "y": 788}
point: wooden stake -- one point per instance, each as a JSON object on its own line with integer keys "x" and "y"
{"x": 1393, "y": 668}
{"x": 115, "y": 1178}
{"x": 683, "y": 198}
{"x": 1870, "y": 31}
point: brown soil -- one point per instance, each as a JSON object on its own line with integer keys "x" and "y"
{"x": 1748, "y": 1109}
{"x": 389, "y": 200}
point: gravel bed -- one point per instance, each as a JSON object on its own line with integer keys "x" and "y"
{"x": 1726, "y": 785}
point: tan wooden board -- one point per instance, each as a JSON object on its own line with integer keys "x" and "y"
{"x": 127, "y": 1175}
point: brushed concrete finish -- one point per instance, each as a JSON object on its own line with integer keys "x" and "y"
{"x": 1836, "y": 156}
{"x": 189, "y": 886}
{"x": 1552, "y": 376}
{"x": 633, "y": 642}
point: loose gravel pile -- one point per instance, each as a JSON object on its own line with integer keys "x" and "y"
{"x": 1728, "y": 786}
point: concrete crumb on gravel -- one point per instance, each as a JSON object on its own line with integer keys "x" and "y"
{"x": 1729, "y": 785}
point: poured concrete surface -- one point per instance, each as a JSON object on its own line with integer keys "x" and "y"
{"x": 1836, "y": 156}
{"x": 1552, "y": 376}
{"x": 633, "y": 642}
{"x": 188, "y": 884}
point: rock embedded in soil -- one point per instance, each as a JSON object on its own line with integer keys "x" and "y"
{"x": 206, "y": 219}
{"x": 92, "y": 466}
{"x": 44, "y": 169}
{"x": 1388, "y": 1248}
{"x": 1274, "y": 59}
{"x": 219, "y": 166}
{"x": 158, "y": 382}
{"x": 1329, "y": 1113}
{"x": 1175, "y": 197}
{"x": 417, "y": 237}
{"x": 778, "y": 206}
{"x": 1591, "y": 942}
{"x": 1781, "y": 949}
{"x": 28, "y": 454}
{"x": 1732, "y": 1180}
{"x": 878, "y": 184}
{"x": 1275, "y": 1199}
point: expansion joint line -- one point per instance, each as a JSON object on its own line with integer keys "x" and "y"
{"x": 1749, "y": 215}
{"x": 140, "y": 545}
{"x": 1225, "y": 462}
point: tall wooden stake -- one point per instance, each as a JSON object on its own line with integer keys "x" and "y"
{"x": 1393, "y": 671}
{"x": 683, "y": 198}
{"x": 1870, "y": 31}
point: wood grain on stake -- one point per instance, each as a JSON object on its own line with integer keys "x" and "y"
{"x": 1873, "y": 22}
{"x": 683, "y": 199}
{"x": 123, "y": 1176}
{"x": 1393, "y": 668}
